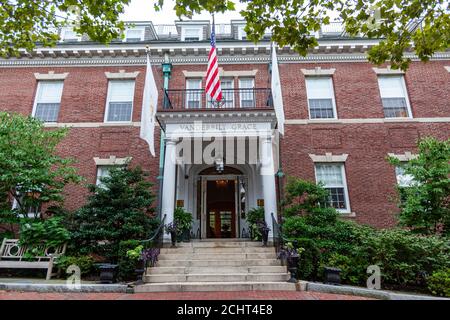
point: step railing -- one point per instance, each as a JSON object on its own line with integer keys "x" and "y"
{"x": 153, "y": 245}
{"x": 278, "y": 240}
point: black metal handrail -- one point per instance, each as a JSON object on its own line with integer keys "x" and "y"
{"x": 155, "y": 242}
{"x": 242, "y": 98}
{"x": 278, "y": 240}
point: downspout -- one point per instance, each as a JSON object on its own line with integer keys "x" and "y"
{"x": 167, "y": 71}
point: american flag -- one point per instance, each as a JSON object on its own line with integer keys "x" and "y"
{"x": 213, "y": 88}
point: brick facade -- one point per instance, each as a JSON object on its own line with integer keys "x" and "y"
{"x": 370, "y": 178}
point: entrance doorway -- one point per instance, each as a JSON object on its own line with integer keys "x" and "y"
{"x": 221, "y": 209}
{"x": 221, "y": 202}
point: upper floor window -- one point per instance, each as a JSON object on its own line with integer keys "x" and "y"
{"x": 247, "y": 92}
{"x": 403, "y": 179}
{"x": 134, "y": 34}
{"x": 48, "y": 100}
{"x": 227, "y": 85}
{"x": 68, "y": 35}
{"x": 32, "y": 210}
{"x": 102, "y": 172}
{"x": 320, "y": 95}
{"x": 242, "y": 35}
{"x": 119, "y": 105}
{"x": 191, "y": 34}
{"x": 394, "y": 96}
{"x": 193, "y": 93}
{"x": 333, "y": 178}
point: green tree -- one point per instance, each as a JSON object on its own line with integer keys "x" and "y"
{"x": 423, "y": 25}
{"x": 425, "y": 205}
{"x": 30, "y": 171}
{"x": 118, "y": 209}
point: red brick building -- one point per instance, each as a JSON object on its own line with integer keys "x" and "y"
{"x": 343, "y": 117}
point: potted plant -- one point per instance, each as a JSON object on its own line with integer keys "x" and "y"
{"x": 253, "y": 217}
{"x": 184, "y": 222}
{"x": 292, "y": 256}
{"x": 135, "y": 255}
{"x": 172, "y": 228}
{"x": 264, "y": 230}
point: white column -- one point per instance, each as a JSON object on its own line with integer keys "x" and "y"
{"x": 169, "y": 181}
{"x": 268, "y": 182}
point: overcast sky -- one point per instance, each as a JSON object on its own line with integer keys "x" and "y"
{"x": 142, "y": 10}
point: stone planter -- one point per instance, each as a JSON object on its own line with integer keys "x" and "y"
{"x": 265, "y": 236}
{"x": 292, "y": 263}
{"x": 332, "y": 275}
{"x": 186, "y": 236}
{"x": 173, "y": 238}
{"x": 139, "y": 272}
{"x": 107, "y": 273}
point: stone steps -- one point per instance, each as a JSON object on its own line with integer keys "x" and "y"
{"x": 229, "y": 277}
{"x": 216, "y": 256}
{"x": 216, "y": 263}
{"x": 217, "y": 286}
{"x": 216, "y": 270}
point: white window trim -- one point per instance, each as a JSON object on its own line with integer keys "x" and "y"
{"x": 241, "y": 31}
{"x": 187, "y": 93}
{"x": 198, "y": 28}
{"x": 105, "y": 119}
{"x": 208, "y": 101}
{"x": 447, "y": 68}
{"x": 63, "y": 32}
{"x": 240, "y": 95}
{"x": 50, "y": 76}
{"x": 121, "y": 75}
{"x": 318, "y": 72}
{"x": 112, "y": 161}
{"x": 347, "y": 211}
{"x": 404, "y": 157}
{"x": 388, "y": 71}
{"x": 405, "y": 91}
{"x": 328, "y": 158}
{"x": 333, "y": 101}
{"x": 222, "y": 73}
{"x": 33, "y": 111}
{"x": 139, "y": 28}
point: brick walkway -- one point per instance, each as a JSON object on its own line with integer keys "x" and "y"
{"x": 242, "y": 295}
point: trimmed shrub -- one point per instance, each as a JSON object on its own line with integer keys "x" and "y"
{"x": 126, "y": 264}
{"x": 85, "y": 263}
{"x": 439, "y": 283}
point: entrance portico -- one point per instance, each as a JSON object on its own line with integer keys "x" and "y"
{"x": 218, "y": 165}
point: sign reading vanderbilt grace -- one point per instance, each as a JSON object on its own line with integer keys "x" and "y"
{"x": 199, "y": 128}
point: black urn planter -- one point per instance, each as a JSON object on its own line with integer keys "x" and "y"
{"x": 292, "y": 263}
{"x": 186, "y": 236}
{"x": 107, "y": 273}
{"x": 332, "y": 275}
{"x": 265, "y": 236}
{"x": 173, "y": 238}
{"x": 139, "y": 272}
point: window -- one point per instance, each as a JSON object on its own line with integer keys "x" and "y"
{"x": 68, "y": 35}
{"x": 227, "y": 86}
{"x": 247, "y": 92}
{"x": 134, "y": 35}
{"x": 192, "y": 34}
{"x": 393, "y": 96}
{"x": 333, "y": 178}
{"x": 48, "y": 100}
{"x": 120, "y": 101}
{"x": 32, "y": 212}
{"x": 242, "y": 35}
{"x": 403, "y": 179}
{"x": 320, "y": 98}
{"x": 102, "y": 172}
{"x": 193, "y": 93}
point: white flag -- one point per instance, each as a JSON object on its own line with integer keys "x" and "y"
{"x": 276, "y": 91}
{"x": 149, "y": 105}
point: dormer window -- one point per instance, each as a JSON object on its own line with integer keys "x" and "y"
{"x": 68, "y": 35}
{"x": 134, "y": 34}
{"x": 192, "y": 33}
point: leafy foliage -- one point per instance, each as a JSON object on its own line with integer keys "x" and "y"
{"x": 423, "y": 25}
{"x": 405, "y": 258}
{"x": 183, "y": 219}
{"x": 85, "y": 263}
{"x": 24, "y": 23}
{"x": 425, "y": 205}
{"x": 30, "y": 171}
{"x": 117, "y": 210}
{"x": 47, "y": 233}
{"x": 127, "y": 264}
{"x": 439, "y": 283}
{"x": 254, "y": 217}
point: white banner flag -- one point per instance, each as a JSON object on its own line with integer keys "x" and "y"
{"x": 149, "y": 106}
{"x": 276, "y": 91}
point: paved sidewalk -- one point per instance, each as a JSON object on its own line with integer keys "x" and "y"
{"x": 242, "y": 295}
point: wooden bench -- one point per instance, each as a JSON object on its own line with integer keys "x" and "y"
{"x": 12, "y": 256}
